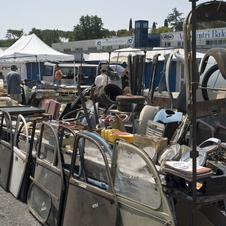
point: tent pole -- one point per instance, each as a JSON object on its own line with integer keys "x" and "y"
{"x": 31, "y": 70}
{"x": 39, "y": 71}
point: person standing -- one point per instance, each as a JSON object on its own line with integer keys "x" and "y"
{"x": 57, "y": 75}
{"x": 13, "y": 81}
{"x": 125, "y": 78}
{"x": 103, "y": 78}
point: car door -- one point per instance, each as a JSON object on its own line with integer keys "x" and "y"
{"x": 91, "y": 199}
{"x": 138, "y": 188}
{"x": 46, "y": 191}
{"x": 21, "y": 152}
{"x": 6, "y": 153}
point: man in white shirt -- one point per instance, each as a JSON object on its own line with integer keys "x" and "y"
{"x": 102, "y": 79}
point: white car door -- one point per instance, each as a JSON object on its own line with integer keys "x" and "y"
{"x": 20, "y": 156}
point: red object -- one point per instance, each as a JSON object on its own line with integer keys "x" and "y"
{"x": 107, "y": 119}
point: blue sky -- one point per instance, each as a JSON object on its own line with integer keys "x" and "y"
{"x": 65, "y": 14}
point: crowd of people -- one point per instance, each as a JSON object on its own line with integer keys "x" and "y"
{"x": 13, "y": 80}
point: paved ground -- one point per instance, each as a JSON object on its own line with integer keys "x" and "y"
{"x": 13, "y": 212}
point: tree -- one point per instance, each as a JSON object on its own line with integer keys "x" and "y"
{"x": 154, "y": 25}
{"x": 161, "y": 30}
{"x": 50, "y": 36}
{"x": 175, "y": 20}
{"x": 122, "y": 33}
{"x": 7, "y": 42}
{"x": 38, "y": 32}
{"x": 89, "y": 27}
{"x": 64, "y": 35}
{"x": 14, "y": 34}
{"x": 165, "y": 23}
{"x": 108, "y": 34}
{"x": 130, "y": 24}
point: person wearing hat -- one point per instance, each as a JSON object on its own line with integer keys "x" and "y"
{"x": 103, "y": 78}
{"x": 14, "y": 80}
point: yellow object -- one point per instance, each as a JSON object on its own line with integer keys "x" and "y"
{"x": 112, "y": 134}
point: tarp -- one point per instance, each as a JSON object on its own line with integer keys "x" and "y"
{"x": 30, "y": 48}
{"x": 115, "y": 57}
{"x": 118, "y": 56}
{"x": 98, "y": 56}
{"x": 178, "y": 53}
{"x": 129, "y": 49}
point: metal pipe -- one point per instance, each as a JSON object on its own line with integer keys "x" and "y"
{"x": 194, "y": 153}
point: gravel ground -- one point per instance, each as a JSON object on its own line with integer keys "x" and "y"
{"x": 14, "y": 212}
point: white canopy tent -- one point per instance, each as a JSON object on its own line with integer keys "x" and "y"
{"x": 30, "y": 48}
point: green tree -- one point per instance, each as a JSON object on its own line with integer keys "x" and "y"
{"x": 64, "y": 35}
{"x": 14, "y": 34}
{"x": 38, "y": 32}
{"x": 124, "y": 32}
{"x": 165, "y": 23}
{"x": 108, "y": 34}
{"x": 130, "y": 24}
{"x": 131, "y": 32}
{"x": 161, "y": 30}
{"x": 50, "y": 36}
{"x": 175, "y": 21}
{"x": 7, "y": 42}
{"x": 89, "y": 27}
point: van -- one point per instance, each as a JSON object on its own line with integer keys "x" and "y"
{"x": 88, "y": 73}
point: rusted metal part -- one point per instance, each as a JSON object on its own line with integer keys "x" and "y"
{"x": 211, "y": 11}
{"x": 219, "y": 55}
{"x": 209, "y": 108}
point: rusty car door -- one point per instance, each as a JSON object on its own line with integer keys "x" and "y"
{"x": 138, "y": 188}
{"x": 91, "y": 199}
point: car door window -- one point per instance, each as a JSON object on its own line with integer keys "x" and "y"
{"x": 67, "y": 141}
{"x": 48, "y": 146}
{"x": 91, "y": 164}
{"x": 134, "y": 180}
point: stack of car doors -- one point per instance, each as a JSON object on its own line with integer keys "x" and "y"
{"x": 16, "y": 145}
{"x": 79, "y": 180}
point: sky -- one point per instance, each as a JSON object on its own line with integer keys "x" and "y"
{"x": 65, "y": 14}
